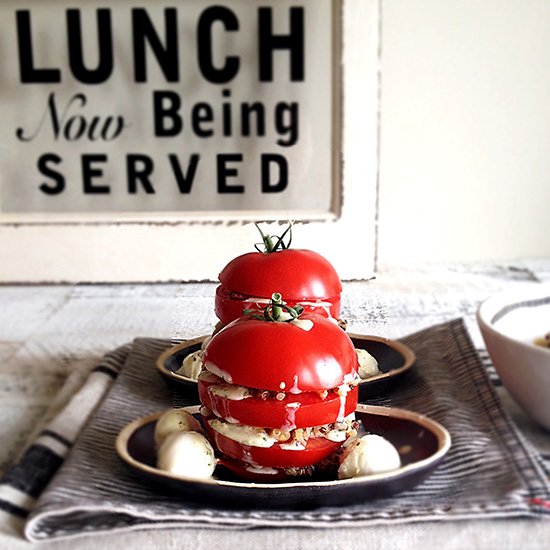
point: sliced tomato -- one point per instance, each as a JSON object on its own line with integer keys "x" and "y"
{"x": 299, "y": 275}
{"x": 229, "y": 305}
{"x": 295, "y": 273}
{"x": 279, "y": 356}
{"x": 294, "y": 411}
{"x": 316, "y": 449}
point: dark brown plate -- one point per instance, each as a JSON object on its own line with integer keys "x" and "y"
{"x": 422, "y": 443}
{"x": 394, "y": 360}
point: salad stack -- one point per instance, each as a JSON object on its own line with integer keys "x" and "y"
{"x": 278, "y": 379}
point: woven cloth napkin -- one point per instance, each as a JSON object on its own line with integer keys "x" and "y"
{"x": 489, "y": 472}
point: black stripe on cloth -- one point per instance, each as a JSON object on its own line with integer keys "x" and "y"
{"x": 12, "y": 509}
{"x": 489, "y": 367}
{"x": 109, "y": 371}
{"x": 113, "y": 361}
{"x": 57, "y": 437}
{"x": 34, "y": 471}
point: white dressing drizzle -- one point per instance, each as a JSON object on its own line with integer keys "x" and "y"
{"x": 304, "y": 324}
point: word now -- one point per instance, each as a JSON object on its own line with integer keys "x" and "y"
{"x": 164, "y": 45}
{"x": 72, "y": 126}
{"x": 140, "y": 169}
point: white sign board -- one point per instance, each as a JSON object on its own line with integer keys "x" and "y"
{"x": 187, "y": 107}
{"x": 140, "y": 138}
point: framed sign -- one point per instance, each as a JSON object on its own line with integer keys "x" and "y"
{"x": 141, "y": 128}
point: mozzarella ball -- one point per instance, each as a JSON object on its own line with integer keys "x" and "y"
{"x": 371, "y": 454}
{"x": 191, "y": 365}
{"x": 368, "y": 365}
{"x": 175, "y": 420}
{"x": 187, "y": 454}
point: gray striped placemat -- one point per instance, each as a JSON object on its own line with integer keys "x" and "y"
{"x": 490, "y": 470}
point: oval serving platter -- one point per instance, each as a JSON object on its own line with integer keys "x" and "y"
{"x": 394, "y": 360}
{"x": 422, "y": 444}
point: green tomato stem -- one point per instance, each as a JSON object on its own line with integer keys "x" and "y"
{"x": 276, "y": 299}
{"x": 274, "y": 309}
{"x": 269, "y": 246}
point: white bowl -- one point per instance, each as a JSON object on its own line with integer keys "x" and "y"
{"x": 510, "y": 322}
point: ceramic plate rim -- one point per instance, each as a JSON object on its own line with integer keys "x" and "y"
{"x": 441, "y": 433}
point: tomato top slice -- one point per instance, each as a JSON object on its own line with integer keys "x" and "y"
{"x": 294, "y": 411}
{"x": 280, "y": 356}
{"x": 297, "y": 274}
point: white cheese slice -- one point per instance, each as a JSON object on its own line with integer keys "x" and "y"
{"x": 246, "y": 435}
{"x": 230, "y": 391}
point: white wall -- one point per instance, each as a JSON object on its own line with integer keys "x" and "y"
{"x": 465, "y": 130}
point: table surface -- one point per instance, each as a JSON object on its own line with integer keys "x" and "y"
{"x": 50, "y": 336}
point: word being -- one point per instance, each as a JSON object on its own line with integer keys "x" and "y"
{"x": 207, "y": 120}
{"x": 165, "y": 47}
{"x": 140, "y": 171}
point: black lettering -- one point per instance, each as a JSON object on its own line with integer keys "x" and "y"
{"x": 184, "y": 181}
{"x": 225, "y": 172}
{"x": 166, "y": 106}
{"x": 247, "y": 110}
{"x": 268, "y": 42}
{"x": 116, "y": 122}
{"x": 287, "y": 124}
{"x": 282, "y": 183}
{"x": 226, "y": 114}
{"x": 141, "y": 174}
{"x": 47, "y": 171}
{"x": 202, "y": 113}
{"x": 167, "y": 55}
{"x": 27, "y": 71}
{"x": 51, "y": 108}
{"x": 89, "y": 172}
{"x": 204, "y": 45}
{"x": 105, "y": 41}
{"x": 75, "y": 128}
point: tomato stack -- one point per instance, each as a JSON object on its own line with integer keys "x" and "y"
{"x": 279, "y": 383}
{"x": 302, "y": 277}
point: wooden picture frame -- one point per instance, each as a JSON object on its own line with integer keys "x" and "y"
{"x": 191, "y": 246}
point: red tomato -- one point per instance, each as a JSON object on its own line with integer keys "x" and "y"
{"x": 280, "y": 356}
{"x": 299, "y": 275}
{"x": 316, "y": 449}
{"x": 294, "y": 411}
